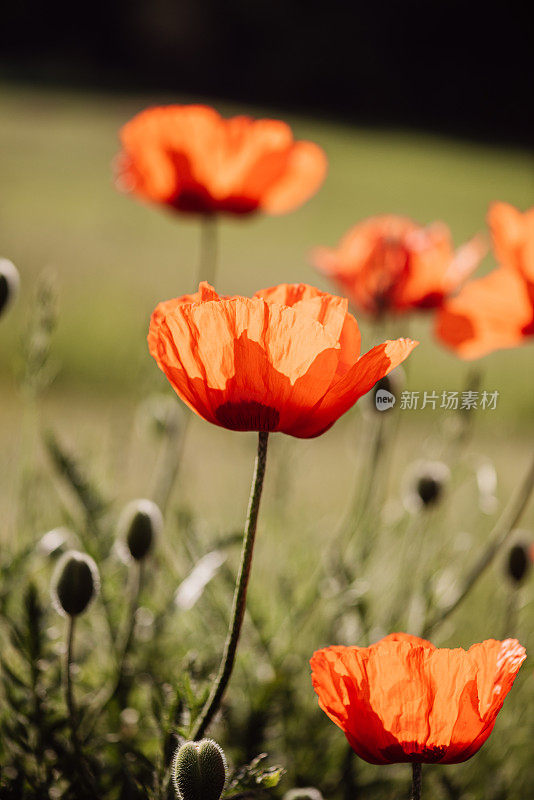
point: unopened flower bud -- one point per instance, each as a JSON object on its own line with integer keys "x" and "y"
{"x": 140, "y": 524}
{"x": 426, "y": 483}
{"x": 75, "y": 583}
{"x": 304, "y": 793}
{"x": 199, "y": 771}
{"x": 54, "y": 542}
{"x": 518, "y": 564}
{"x": 429, "y": 489}
{"x": 9, "y": 283}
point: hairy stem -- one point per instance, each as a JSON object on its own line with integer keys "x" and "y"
{"x": 240, "y": 594}
{"x": 69, "y": 697}
{"x": 85, "y": 775}
{"x": 134, "y": 589}
{"x": 416, "y": 782}
{"x": 106, "y": 695}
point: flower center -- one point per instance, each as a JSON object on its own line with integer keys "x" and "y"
{"x": 247, "y": 416}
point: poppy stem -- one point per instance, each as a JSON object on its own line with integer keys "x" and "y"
{"x": 208, "y": 249}
{"x": 71, "y": 707}
{"x": 69, "y": 698}
{"x": 497, "y": 538}
{"x": 416, "y": 781}
{"x": 240, "y": 595}
{"x": 135, "y": 583}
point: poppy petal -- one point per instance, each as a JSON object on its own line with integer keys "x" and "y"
{"x": 190, "y": 159}
{"x": 402, "y": 699}
{"x": 391, "y": 264}
{"x": 285, "y": 360}
{"x": 305, "y": 171}
{"x": 487, "y": 315}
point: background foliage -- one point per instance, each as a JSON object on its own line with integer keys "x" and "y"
{"x": 87, "y": 424}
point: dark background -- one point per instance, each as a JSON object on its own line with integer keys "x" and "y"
{"x": 455, "y": 67}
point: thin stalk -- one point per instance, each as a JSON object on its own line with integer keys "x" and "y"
{"x": 171, "y": 455}
{"x": 207, "y": 267}
{"x": 497, "y": 539}
{"x": 69, "y": 697}
{"x": 240, "y": 594}
{"x": 102, "y": 700}
{"x": 169, "y": 462}
{"x": 511, "y": 616}
{"x": 363, "y": 489}
{"x": 416, "y": 782}
{"x": 71, "y": 707}
{"x": 135, "y": 585}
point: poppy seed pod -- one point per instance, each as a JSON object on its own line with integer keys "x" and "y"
{"x": 518, "y": 563}
{"x": 139, "y": 524}
{"x": 75, "y": 583}
{"x": 9, "y": 283}
{"x": 199, "y": 771}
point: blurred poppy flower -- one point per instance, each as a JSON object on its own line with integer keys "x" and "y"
{"x": 402, "y": 699}
{"x": 496, "y": 311}
{"x": 287, "y": 359}
{"x": 190, "y": 159}
{"x": 512, "y": 233}
{"x": 390, "y": 264}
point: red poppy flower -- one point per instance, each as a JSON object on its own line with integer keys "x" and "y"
{"x": 287, "y": 359}
{"x": 512, "y": 233}
{"x": 402, "y": 699}
{"x": 189, "y": 158}
{"x": 496, "y": 311}
{"x": 390, "y": 264}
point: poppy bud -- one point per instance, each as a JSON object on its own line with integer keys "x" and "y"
{"x": 426, "y": 484}
{"x": 139, "y": 524}
{"x": 9, "y": 283}
{"x": 429, "y": 489}
{"x": 199, "y": 771}
{"x": 75, "y": 583}
{"x": 53, "y": 543}
{"x": 304, "y": 793}
{"x": 518, "y": 562}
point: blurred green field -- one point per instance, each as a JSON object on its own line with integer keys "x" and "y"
{"x": 112, "y": 260}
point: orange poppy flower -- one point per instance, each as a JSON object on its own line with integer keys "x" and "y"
{"x": 512, "y": 233}
{"x": 496, "y": 311}
{"x": 190, "y": 159}
{"x": 402, "y": 699}
{"x": 390, "y": 264}
{"x": 287, "y": 359}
